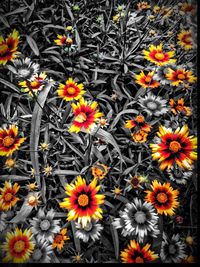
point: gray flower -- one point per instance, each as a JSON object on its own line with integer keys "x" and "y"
{"x": 92, "y": 230}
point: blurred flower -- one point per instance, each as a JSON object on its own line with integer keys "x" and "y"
{"x": 91, "y": 231}
{"x": 180, "y": 76}
{"x": 10, "y": 164}
{"x": 134, "y": 182}
{"x": 114, "y": 96}
{"x": 160, "y": 74}
{"x": 76, "y": 8}
{"x": 174, "y": 147}
{"x": 31, "y": 186}
{"x": 8, "y": 197}
{"x": 60, "y": 238}
{"x": 158, "y": 56}
{"x": 156, "y": 9}
{"x": 178, "y": 106}
{"x": 189, "y": 259}
{"x": 48, "y": 170}
{"x": 166, "y": 12}
{"x": 135, "y": 253}
{"x": 116, "y": 191}
{"x": 179, "y": 176}
{"x": 42, "y": 252}
{"x": 18, "y": 246}
{"x": 63, "y": 40}
{"x": 139, "y": 137}
{"x": 70, "y": 90}
{"x": 32, "y": 199}
{"x": 137, "y": 124}
{"x": 69, "y": 28}
{"x": 44, "y": 146}
{"x": 116, "y": 18}
{"x": 179, "y": 219}
{"x": 143, "y": 5}
{"x": 185, "y": 39}
{"x": 188, "y": 8}
{"x": 146, "y": 80}
{"x": 99, "y": 171}
{"x": 3, "y": 221}
{"x": 151, "y": 18}
{"x": 78, "y": 258}
{"x": 9, "y": 142}
{"x": 163, "y": 197}
{"x": 189, "y": 240}
{"x": 102, "y": 122}
{"x": 32, "y": 172}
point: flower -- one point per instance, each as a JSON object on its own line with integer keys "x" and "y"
{"x": 158, "y": 56}
{"x": 60, "y": 238}
{"x": 172, "y": 250}
{"x": 44, "y": 225}
{"x": 48, "y": 170}
{"x": 143, "y": 5}
{"x": 99, "y": 171}
{"x": 31, "y": 186}
{"x": 160, "y": 74}
{"x": 18, "y": 246}
{"x": 180, "y": 76}
{"x": 86, "y": 114}
{"x": 177, "y": 107}
{"x": 63, "y": 40}
{"x": 188, "y": 8}
{"x": 189, "y": 240}
{"x": 165, "y": 12}
{"x": 138, "y": 124}
{"x": 153, "y": 105}
{"x": 32, "y": 199}
{"x": 91, "y": 231}
{"x": 146, "y": 80}
{"x": 116, "y": 191}
{"x": 134, "y": 182}
{"x": 8, "y": 197}
{"x": 44, "y": 146}
{"x": 10, "y": 164}
{"x": 134, "y": 253}
{"x": 174, "y": 147}
{"x": 102, "y": 122}
{"x": 185, "y": 39}
{"x": 179, "y": 176}
{"x": 77, "y": 258}
{"x": 163, "y": 197}
{"x": 189, "y": 259}
{"x": 9, "y": 142}
{"x": 83, "y": 201}
{"x": 70, "y": 90}
{"x": 139, "y": 137}
{"x": 8, "y": 47}
{"x": 42, "y": 252}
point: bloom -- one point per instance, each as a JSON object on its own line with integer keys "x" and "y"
{"x": 158, "y": 56}
{"x": 63, "y": 40}
{"x": 18, "y": 246}
{"x": 8, "y": 197}
{"x": 174, "y": 147}
{"x": 139, "y": 137}
{"x": 91, "y": 231}
{"x": 9, "y": 142}
{"x": 137, "y": 124}
{"x": 180, "y": 76}
{"x": 163, "y": 197}
{"x": 136, "y": 254}
{"x": 8, "y": 47}
{"x": 143, "y": 5}
{"x": 86, "y": 114}
{"x": 179, "y": 176}
{"x": 99, "y": 171}
{"x": 146, "y": 80}
{"x": 70, "y": 90}
{"x": 42, "y": 251}
{"x": 178, "y": 107}
{"x": 60, "y": 238}
{"x": 185, "y": 39}
{"x": 83, "y": 201}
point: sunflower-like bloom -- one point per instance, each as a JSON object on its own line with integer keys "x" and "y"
{"x": 138, "y": 123}
{"x": 163, "y": 197}
{"x": 174, "y": 147}
{"x": 63, "y": 40}
{"x": 158, "y": 56}
{"x": 83, "y": 202}
{"x": 134, "y": 253}
{"x": 146, "y": 80}
{"x": 60, "y": 238}
{"x": 70, "y": 90}
{"x": 8, "y": 47}
{"x": 18, "y": 246}
{"x": 9, "y": 142}
{"x": 86, "y": 114}
{"x": 179, "y": 107}
{"x": 180, "y": 76}
{"x": 185, "y": 40}
{"x": 99, "y": 171}
{"x": 8, "y": 197}
{"x": 139, "y": 137}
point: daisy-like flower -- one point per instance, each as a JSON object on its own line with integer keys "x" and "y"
{"x": 172, "y": 250}
{"x": 174, "y": 147}
{"x": 138, "y": 124}
{"x": 157, "y": 56}
{"x": 78, "y": 258}
{"x": 8, "y": 47}
{"x": 70, "y": 90}
{"x": 86, "y": 115}
{"x": 134, "y": 182}
{"x": 10, "y": 164}
{"x": 34, "y": 86}
{"x": 32, "y": 199}
{"x": 99, "y": 171}
{"x": 91, "y": 231}
{"x": 153, "y": 105}
{"x": 48, "y": 170}
{"x": 9, "y": 140}
{"x": 24, "y": 68}
{"x": 102, "y": 122}
{"x": 31, "y": 186}
{"x": 135, "y": 253}
{"x": 139, "y": 137}
{"x": 178, "y": 106}
{"x": 60, "y": 238}
{"x": 116, "y": 191}
{"x": 44, "y": 146}
{"x": 63, "y": 40}
{"x": 188, "y": 8}
{"x": 8, "y": 197}
{"x": 185, "y": 39}
{"x": 18, "y": 246}
{"x": 179, "y": 176}
{"x": 143, "y": 5}
{"x": 44, "y": 226}
{"x": 146, "y": 80}
{"x": 160, "y": 74}
{"x": 83, "y": 202}
{"x": 163, "y": 197}
{"x": 42, "y": 251}
{"x": 139, "y": 219}
{"x": 180, "y": 76}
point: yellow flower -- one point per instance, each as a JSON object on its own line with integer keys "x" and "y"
{"x": 185, "y": 39}
{"x": 180, "y": 76}
{"x": 70, "y": 90}
{"x": 60, "y": 239}
{"x": 99, "y": 171}
{"x": 146, "y": 80}
{"x": 8, "y": 197}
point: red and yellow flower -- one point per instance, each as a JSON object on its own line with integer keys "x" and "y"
{"x": 70, "y": 90}
{"x": 175, "y": 147}
{"x": 99, "y": 171}
{"x": 8, "y": 197}
{"x": 158, "y": 56}
{"x": 188, "y": 7}
{"x": 185, "y": 39}
{"x": 138, "y": 124}
{"x": 60, "y": 238}
{"x": 143, "y": 5}
{"x": 139, "y": 137}
{"x": 83, "y": 202}
{"x": 146, "y": 80}
{"x": 180, "y": 76}
{"x": 18, "y": 246}
{"x": 179, "y": 107}
{"x": 86, "y": 115}
{"x": 135, "y": 253}
{"x": 163, "y": 197}
{"x": 9, "y": 142}
{"x": 8, "y": 47}
{"x": 63, "y": 40}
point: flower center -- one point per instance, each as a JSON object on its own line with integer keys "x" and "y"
{"x": 98, "y": 171}
{"x": 134, "y": 181}
{"x": 83, "y": 200}
{"x": 148, "y": 79}
{"x": 19, "y": 246}
{"x": 174, "y": 146}
{"x": 139, "y": 119}
{"x": 159, "y": 56}
{"x": 188, "y": 39}
{"x": 162, "y": 198}
{"x": 3, "y": 49}
{"x": 88, "y": 227}
{"x": 23, "y": 72}
{"x": 81, "y": 117}
{"x": 152, "y": 105}
{"x": 140, "y": 217}
{"x": 71, "y": 90}
{"x": 172, "y": 249}
{"x": 32, "y": 200}
{"x": 138, "y": 136}
{"x": 139, "y": 260}
{"x": 10, "y": 163}
{"x": 35, "y": 84}
{"x": 8, "y": 141}
{"x": 181, "y": 76}
{"x": 58, "y": 239}
{"x": 37, "y": 254}
{"x": 8, "y": 197}
{"x": 69, "y": 41}
{"x": 45, "y": 225}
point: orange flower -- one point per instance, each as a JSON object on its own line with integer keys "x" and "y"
{"x": 188, "y": 7}
{"x": 70, "y": 90}
{"x": 8, "y": 197}
{"x": 179, "y": 107}
{"x": 63, "y": 40}
{"x": 136, "y": 254}
{"x": 137, "y": 124}
{"x": 9, "y": 142}
{"x": 146, "y": 80}
{"x": 139, "y": 137}
{"x": 180, "y": 76}
{"x": 99, "y": 171}
{"x": 185, "y": 39}
{"x": 60, "y": 239}
{"x": 8, "y": 47}
{"x": 143, "y": 5}
{"x": 163, "y": 197}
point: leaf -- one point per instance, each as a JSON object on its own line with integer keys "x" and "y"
{"x": 78, "y": 40}
{"x": 65, "y": 172}
{"x": 15, "y": 178}
{"x": 33, "y": 45}
{"x": 76, "y": 240}
{"x": 12, "y": 86}
{"x": 157, "y": 241}
{"x": 115, "y": 237}
{"x": 4, "y": 21}
{"x": 23, "y": 213}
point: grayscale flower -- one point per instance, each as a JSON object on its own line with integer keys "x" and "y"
{"x": 179, "y": 176}
{"x": 42, "y": 251}
{"x": 90, "y": 231}
{"x": 161, "y": 72}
